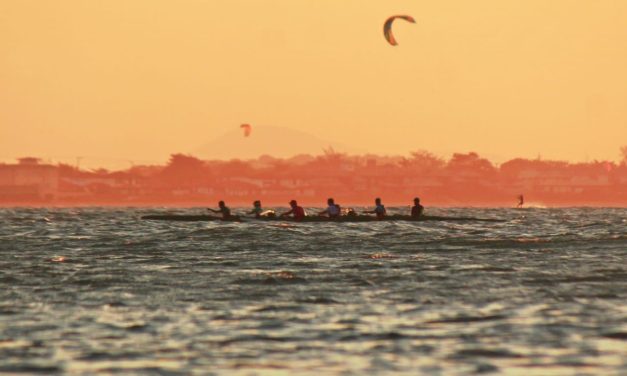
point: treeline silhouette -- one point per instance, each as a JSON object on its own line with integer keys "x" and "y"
{"x": 466, "y": 179}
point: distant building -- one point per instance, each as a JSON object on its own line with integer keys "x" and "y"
{"x": 27, "y": 180}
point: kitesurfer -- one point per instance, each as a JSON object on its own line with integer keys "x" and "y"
{"x": 379, "y": 209}
{"x": 222, "y": 208}
{"x": 417, "y": 210}
{"x": 333, "y": 210}
{"x": 297, "y": 211}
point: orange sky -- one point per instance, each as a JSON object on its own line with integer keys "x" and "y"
{"x": 119, "y": 80}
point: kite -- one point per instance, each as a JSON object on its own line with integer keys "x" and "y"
{"x": 247, "y": 129}
{"x": 387, "y": 28}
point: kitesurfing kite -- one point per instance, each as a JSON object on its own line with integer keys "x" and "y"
{"x": 387, "y": 28}
{"x": 247, "y": 129}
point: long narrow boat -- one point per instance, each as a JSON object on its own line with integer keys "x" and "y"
{"x": 187, "y": 218}
{"x": 358, "y": 218}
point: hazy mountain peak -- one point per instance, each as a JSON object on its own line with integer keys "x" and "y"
{"x": 266, "y": 140}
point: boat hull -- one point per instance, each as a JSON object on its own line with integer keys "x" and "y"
{"x": 312, "y": 219}
{"x": 187, "y": 218}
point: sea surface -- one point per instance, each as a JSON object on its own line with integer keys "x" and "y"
{"x": 95, "y": 290}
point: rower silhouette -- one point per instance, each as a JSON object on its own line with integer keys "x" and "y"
{"x": 297, "y": 211}
{"x": 223, "y": 209}
{"x": 333, "y": 210}
{"x": 257, "y": 210}
{"x": 417, "y": 210}
{"x": 379, "y": 209}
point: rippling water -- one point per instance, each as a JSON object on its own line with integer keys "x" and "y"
{"x": 98, "y": 290}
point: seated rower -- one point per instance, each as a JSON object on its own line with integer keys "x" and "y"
{"x": 257, "y": 210}
{"x": 226, "y": 212}
{"x": 379, "y": 209}
{"x": 333, "y": 210}
{"x": 417, "y": 210}
{"x": 297, "y": 211}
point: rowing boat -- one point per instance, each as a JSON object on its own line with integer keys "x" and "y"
{"x": 357, "y": 218}
{"x": 187, "y": 218}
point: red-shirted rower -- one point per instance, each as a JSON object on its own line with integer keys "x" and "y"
{"x": 297, "y": 211}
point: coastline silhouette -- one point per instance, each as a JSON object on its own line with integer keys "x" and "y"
{"x": 464, "y": 179}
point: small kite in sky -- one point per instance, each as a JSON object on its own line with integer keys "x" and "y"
{"x": 387, "y": 28}
{"x": 247, "y": 129}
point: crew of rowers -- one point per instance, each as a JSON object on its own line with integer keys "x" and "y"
{"x": 333, "y": 210}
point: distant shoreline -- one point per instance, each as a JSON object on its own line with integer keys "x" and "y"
{"x": 244, "y": 206}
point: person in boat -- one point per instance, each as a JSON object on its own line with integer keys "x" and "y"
{"x": 223, "y": 209}
{"x": 257, "y": 210}
{"x": 333, "y": 210}
{"x": 297, "y": 211}
{"x": 379, "y": 209}
{"x": 417, "y": 210}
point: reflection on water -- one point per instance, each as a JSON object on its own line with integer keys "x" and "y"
{"x": 97, "y": 290}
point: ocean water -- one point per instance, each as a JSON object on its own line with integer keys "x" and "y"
{"x": 85, "y": 291}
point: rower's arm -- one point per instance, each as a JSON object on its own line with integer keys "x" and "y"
{"x": 215, "y": 211}
{"x": 287, "y": 213}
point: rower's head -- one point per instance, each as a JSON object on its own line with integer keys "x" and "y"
{"x": 221, "y": 204}
{"x": 257, "y": 204}
{"x": 293, "y": 203}
{"x": 377, "y": 201}
{"x": 330, "y": 201}
{"x": 417, "y": 201}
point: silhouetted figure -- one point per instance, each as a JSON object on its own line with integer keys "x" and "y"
{"x": 417, "y": 210}
{"x": 257, "y": 210}
{"x": 333, "y": 210}
{"x": 226, "y": 212}
{"x": 379, "y": 209}
{"x": 521, "y": 201}
{"x": 297, "y": 211}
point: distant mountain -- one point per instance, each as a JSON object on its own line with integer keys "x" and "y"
{"x": 266, "y": 140}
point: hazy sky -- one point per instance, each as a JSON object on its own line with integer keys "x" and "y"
{"x": 140, "y": 79}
